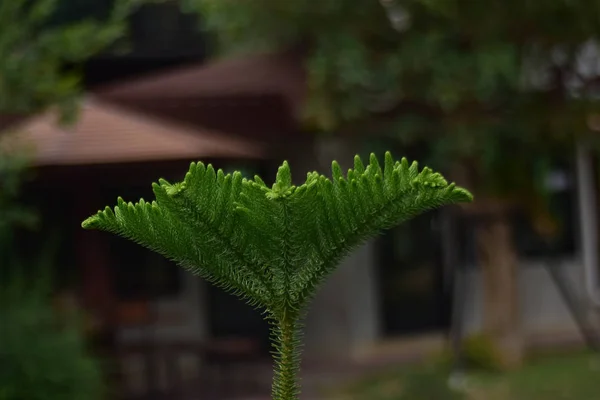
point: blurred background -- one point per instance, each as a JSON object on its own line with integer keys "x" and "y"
{"x": 100, "y": 98}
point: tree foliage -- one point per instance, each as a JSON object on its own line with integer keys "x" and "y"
{"x": 479, "y": 80}
{"x": 42, "y": 45}
{"x": 41, "y": 49}
{"x": 274, "y": 245}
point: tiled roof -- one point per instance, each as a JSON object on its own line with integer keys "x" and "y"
{"x": 266, "y": 74}
{"x": 107, "y": 134}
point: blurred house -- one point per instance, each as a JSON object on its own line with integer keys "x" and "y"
{"x": 242, "y": 114}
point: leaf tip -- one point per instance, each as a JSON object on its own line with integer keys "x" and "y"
{"x": 359, "y": 167}
{"x": 283, "y": 180}
{"x": 174, "y": 190}
{"x": 373, "y": 159}
{"x": 336, "y": 170}
{"x": 404, "y": 163}
{"x": 463, "y": 195}
{"x": 91, "y": 222}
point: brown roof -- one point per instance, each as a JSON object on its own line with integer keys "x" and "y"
{"x": 107, "y": 134}
{"x": 263, "y": 74}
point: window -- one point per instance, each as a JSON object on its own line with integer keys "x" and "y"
{"x": 561, "y": 182}
{"x": 140, "y": 273}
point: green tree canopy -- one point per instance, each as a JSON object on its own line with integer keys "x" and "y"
{"x": 477, "y": 78}
{"x": 38, "y": 43}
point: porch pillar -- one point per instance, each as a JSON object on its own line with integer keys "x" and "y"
{"x": 344, "y": 318}
{"x": 588, "y": 218}
{"x": 96, "y": 283}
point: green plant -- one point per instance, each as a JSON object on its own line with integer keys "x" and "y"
{"x": 479, "y": 353}
{"x": 42, "y": 356}
{"x": 274, "y": 246}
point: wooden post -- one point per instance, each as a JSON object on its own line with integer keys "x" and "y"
{"x": 93, "y": 260}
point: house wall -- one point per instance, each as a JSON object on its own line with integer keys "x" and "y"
{"x": 344, "y": 315}
{"x": 545, "y": 315}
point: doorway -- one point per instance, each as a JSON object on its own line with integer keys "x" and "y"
{"x": 411, "y": 273}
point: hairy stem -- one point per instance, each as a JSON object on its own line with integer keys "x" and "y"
{"x": 286, "y": 335}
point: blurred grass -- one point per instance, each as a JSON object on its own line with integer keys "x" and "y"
{"x": 574, "y": 376}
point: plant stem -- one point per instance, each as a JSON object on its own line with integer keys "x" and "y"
{"x": 286, "y": 334}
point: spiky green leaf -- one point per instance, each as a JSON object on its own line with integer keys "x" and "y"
{"x": 275, "y": 246}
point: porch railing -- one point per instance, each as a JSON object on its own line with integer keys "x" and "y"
{"x": 221, "y": 369}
